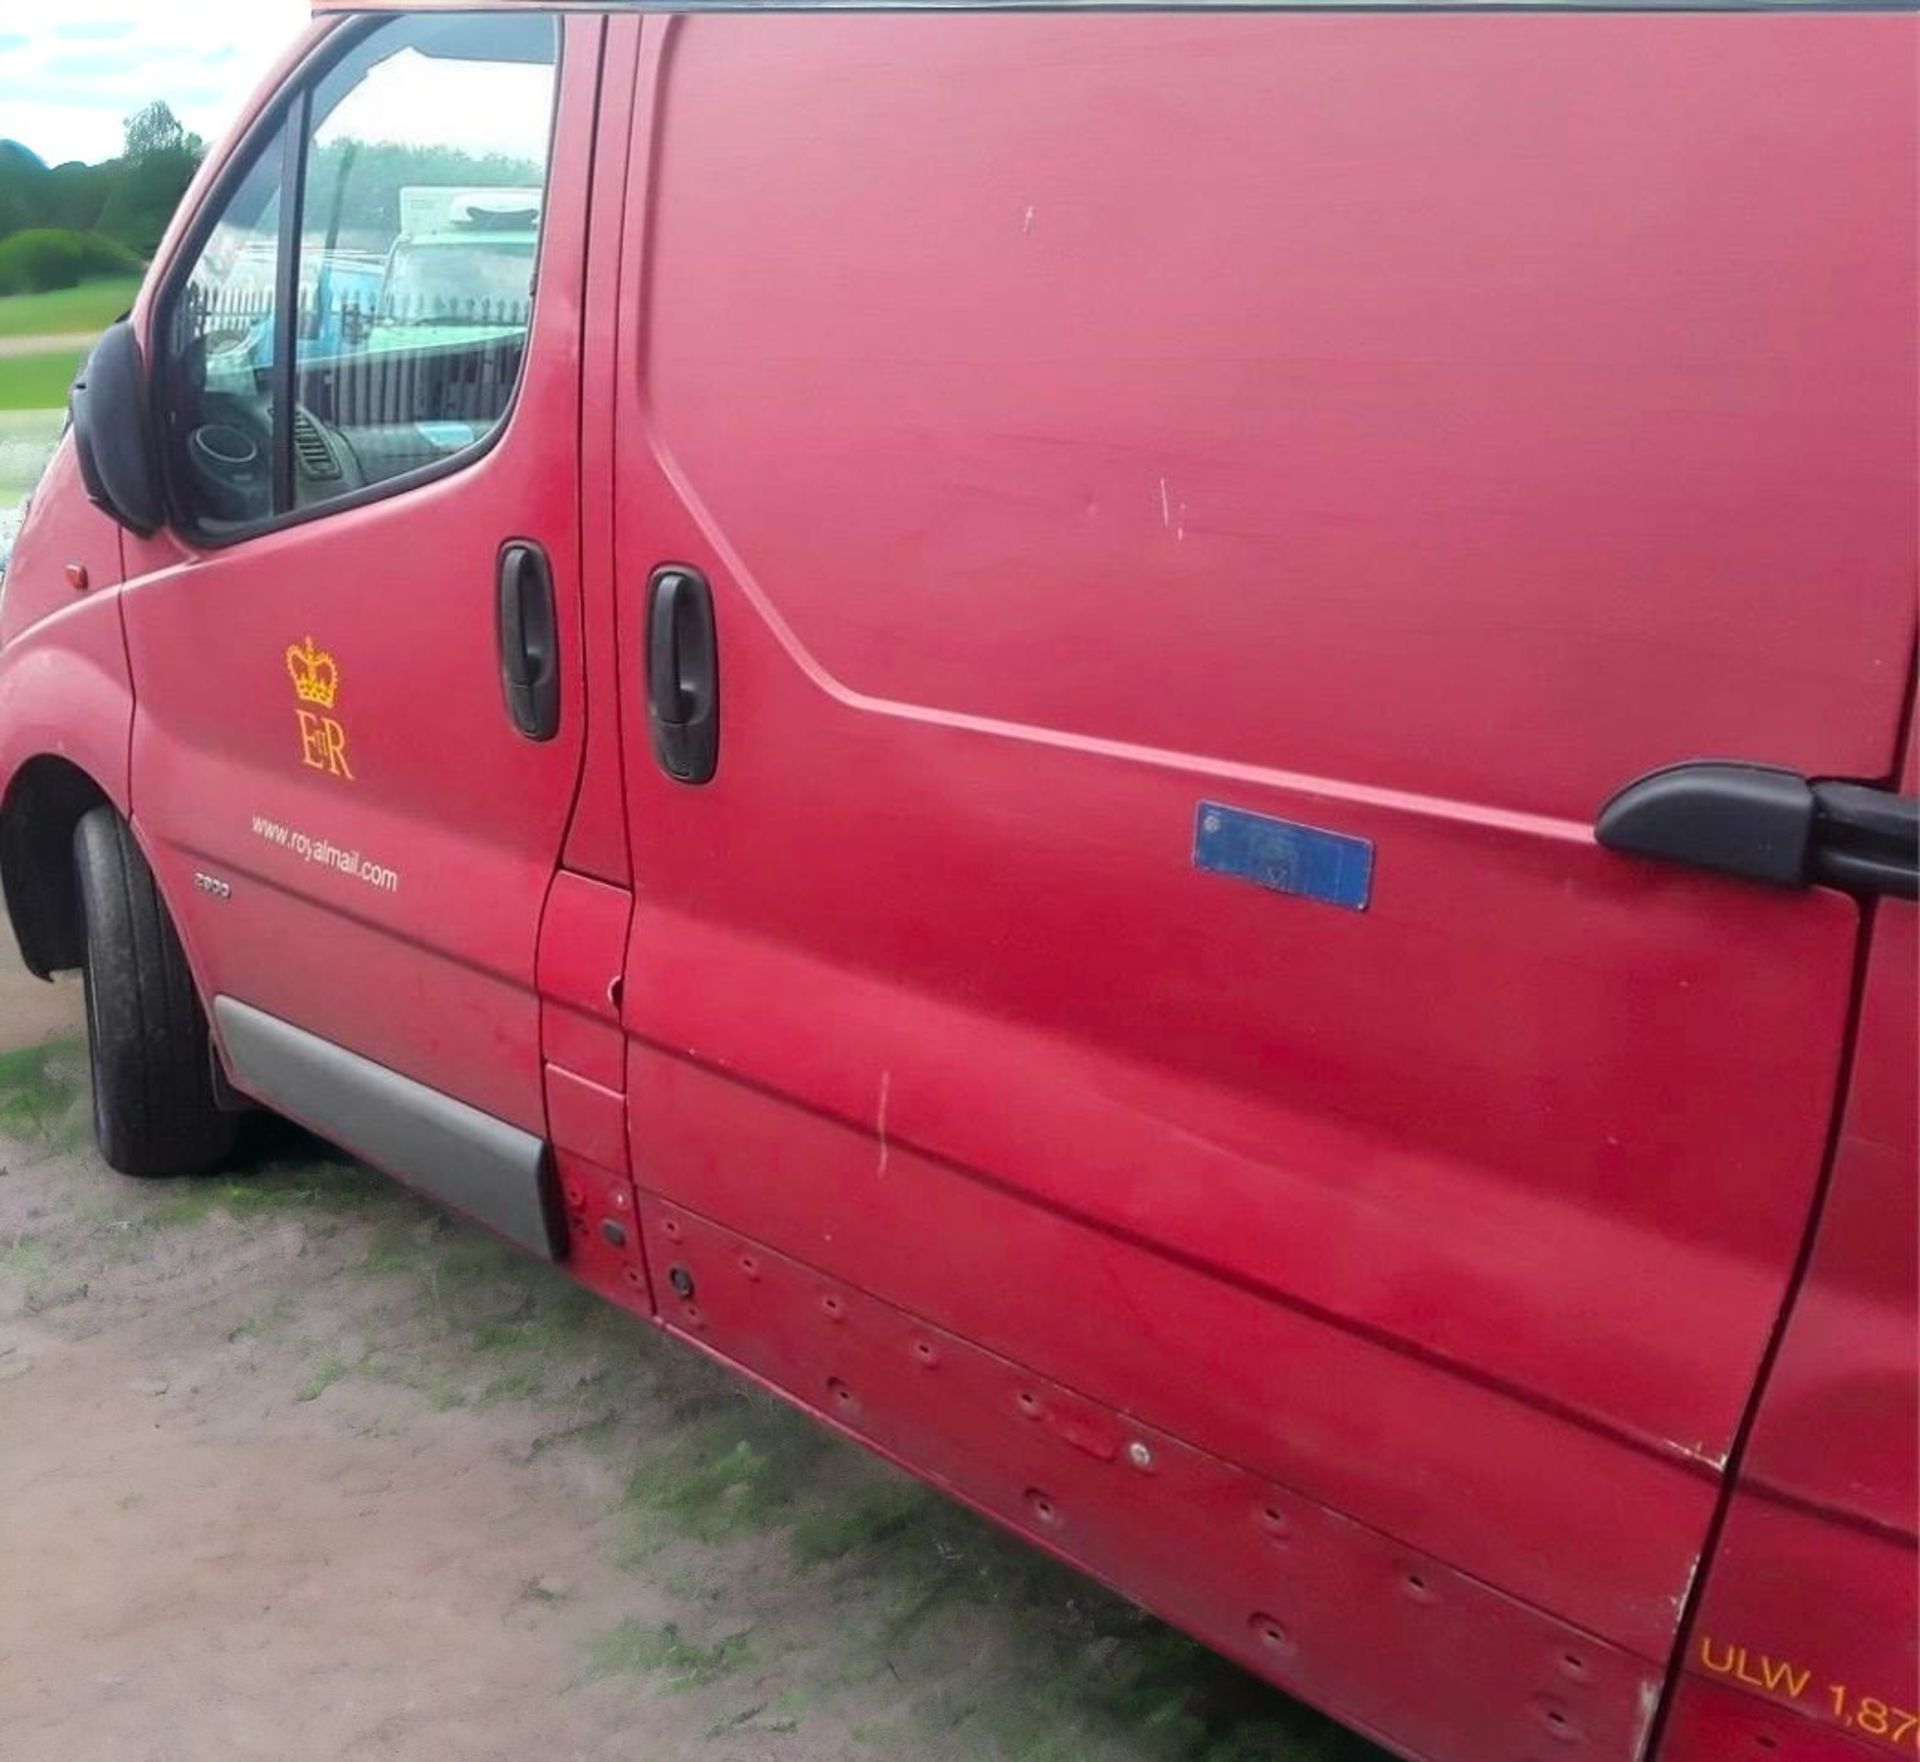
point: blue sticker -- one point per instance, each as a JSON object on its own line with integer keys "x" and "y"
{"x": 1283, "y": 855}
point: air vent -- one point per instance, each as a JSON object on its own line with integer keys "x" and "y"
{"x": 312, "y": 449}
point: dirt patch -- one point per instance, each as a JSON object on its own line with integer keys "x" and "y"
{"x": 68, "y": 341}
{"x": 292, "y": 1467}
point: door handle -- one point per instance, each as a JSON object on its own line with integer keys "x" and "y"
{"x": 529, "y": 640}
{"x": 1771, "y": 825}
{"x": 683, "y": 674}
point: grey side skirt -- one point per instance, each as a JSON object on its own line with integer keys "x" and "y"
{"x": 494, "y": 1172}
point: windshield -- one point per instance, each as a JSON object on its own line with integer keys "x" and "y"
{"x": 426, "y": 280}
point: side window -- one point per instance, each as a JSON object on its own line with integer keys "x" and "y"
{"x": 402, "y": 298}
{"x": 219, "y": 356}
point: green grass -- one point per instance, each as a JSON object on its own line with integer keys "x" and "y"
{"x": 93, "y": 305}
{"x": 38, "y": 382}
{"x": 513, "y": 1330}
{"x": 267, "y": 1322}
{"x": 40, "y": 1089}
{"x": 27, "y": 439}
{"x": 28, "y": 1261}
{"x": 319, "y": 1191}
{"x": 1089, "y": 1673}
{"x": 325, "y": 1374}
{"x": 319, "y": 1187}
{"x": 738, "y": 1464}
{"x": 633, "y": 1648}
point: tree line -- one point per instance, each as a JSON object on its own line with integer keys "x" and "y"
{"x": 60, "y": 224}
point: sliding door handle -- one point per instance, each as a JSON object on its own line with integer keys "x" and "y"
{"x": 1771, "y": 825}
{"x": 529, "y": 641}
{"x": 683, "y": 674}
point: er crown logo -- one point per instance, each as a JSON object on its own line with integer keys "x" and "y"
{"x": 316, "y": 676}
{"x": 316, "y": 680}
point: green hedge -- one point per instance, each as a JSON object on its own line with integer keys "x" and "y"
{"x": 43, "y": 258}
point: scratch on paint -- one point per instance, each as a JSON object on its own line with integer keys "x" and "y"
{"x": 1686, "y": 1590}
{"x": 1649, "y": 1705}
{"x": 1173, "y": 518}
{"x": 1026, "y": 225}
{"x": 880, "y": 1124}
{"x": 1701, "y": 1452}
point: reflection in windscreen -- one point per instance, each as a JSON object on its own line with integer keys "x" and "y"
{"x": 426, "y": 277}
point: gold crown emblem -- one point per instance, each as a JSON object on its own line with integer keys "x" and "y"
{"x": 315, "y": 674}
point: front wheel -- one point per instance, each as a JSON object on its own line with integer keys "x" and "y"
{"x": 154, "y": 1111}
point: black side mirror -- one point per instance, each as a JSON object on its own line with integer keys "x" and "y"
{"x": 109, "y": 408}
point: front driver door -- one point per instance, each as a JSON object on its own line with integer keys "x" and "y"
{"x": 368, "y": 370}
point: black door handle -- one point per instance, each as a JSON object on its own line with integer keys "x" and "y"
{"x": 683, "y": 674}
{"x": 1771, "y": 825}
{"x": 529, "y": 641}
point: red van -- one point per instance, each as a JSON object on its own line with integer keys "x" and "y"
{"x": 1167, "y": 754}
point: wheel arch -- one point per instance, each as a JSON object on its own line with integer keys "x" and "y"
{"x": 43, "y": 804}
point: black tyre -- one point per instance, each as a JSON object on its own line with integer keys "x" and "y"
{"x": 153, "y": 1101}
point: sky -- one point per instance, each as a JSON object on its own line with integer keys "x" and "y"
{"x": 71, "y": 70}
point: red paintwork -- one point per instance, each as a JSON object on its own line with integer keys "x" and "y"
{"x": 64, "y": 688}
{"x": 61, "y": 529}
{"x": 1211, "y": 454}
{"x": 583, "y": 939}
{"x": 471, "y": 815}
{"x": 1415, "y": 426}
{"x": 1277, "y": 1581}
{"x": 593, "y": 1197}
{"x": 1816, "y": 1565}
{"x": 597, "y": 835}
{"x": 1717, "y": 1724}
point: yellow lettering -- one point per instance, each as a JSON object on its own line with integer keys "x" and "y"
{"x": 336, "y": 748}
{"x": 323, "y": 744}
{"x": 1724, "y": 1667}
{"x": 1740, "y": 1672}
{"x": 1781, "y": 1674}
{"x": 313, "y": 740}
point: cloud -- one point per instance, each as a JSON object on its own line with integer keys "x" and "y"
{"x": 101, "y": 30}
{"x": 22, "y": 92}
{"x": 95, "y": 64}
{"x": 65, "y": 86}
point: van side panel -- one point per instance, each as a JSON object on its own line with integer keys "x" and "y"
{"x": 1484, "y": 408}
{"x": 1812, "y": 1601}
{"x": 1400, "y": 430}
